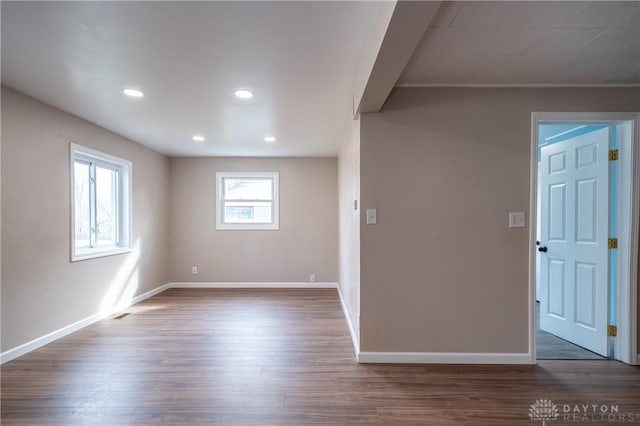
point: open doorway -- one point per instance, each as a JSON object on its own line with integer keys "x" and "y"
{"x": 584, "y": 261}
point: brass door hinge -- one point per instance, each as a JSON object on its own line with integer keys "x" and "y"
{"x": 613, "y": 155}
{"x": 613, "y": 243}
{"x": 612, "y": 330}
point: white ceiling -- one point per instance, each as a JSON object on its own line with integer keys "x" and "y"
{"x": 529, "y": 43}
{"x": 300, "y": 59}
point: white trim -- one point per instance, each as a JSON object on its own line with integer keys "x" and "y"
{"x": 252, "y": 285}
{"x": 533, "y": 220}
{"x": 362, "y": 357}
{"x": 634, "y": 248}
{"x": 352, "y": 331}
{"x": 443, "y": 358}
{"x": 68, "y": 329}
{"x": 275, "y": 202}
{"x": 629, "y": 294}
{"x": 92, "y": 254}
{"x": 125, "y": 211}
{"x": 513, "y": 85}
{"x": 584, "y": 117}
{"x": 61, "y": 332}
{"x": 48, "y": 338}
{"x": 98, "y": 155}
{"x": 624, "y": 256}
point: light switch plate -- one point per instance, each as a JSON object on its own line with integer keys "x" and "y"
{"x": 516, "y": 220}
{"x": 372, "y": 216}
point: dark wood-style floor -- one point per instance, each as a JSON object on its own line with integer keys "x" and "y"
{"x": 275, "y": 357}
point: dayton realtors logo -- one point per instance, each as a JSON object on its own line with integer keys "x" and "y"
{"x": 545, "y": 410}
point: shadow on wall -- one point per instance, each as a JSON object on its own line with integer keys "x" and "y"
{"x": 125, "y": 284}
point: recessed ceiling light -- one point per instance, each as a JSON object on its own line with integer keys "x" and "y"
{"x": 134, "y": 93}
{"x": 198, "y": 138}
{"x": 243, "y": 94}
{"x": 270, "y": 139}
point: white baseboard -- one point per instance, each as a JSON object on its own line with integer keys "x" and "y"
{"x": 48, "y": 338}
{"x": 68, "y": 329}
{"x": 61, "y": 332}
{"x": 443, "y": 358}
{"x": 252, "y": 285}
{"x": 352, "y": 331}
{"x": 140, "y": 298}
{"x": 362, "y": 357}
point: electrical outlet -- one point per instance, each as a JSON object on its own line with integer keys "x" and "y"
{"x": 312, "y": 278}
{"x": 194, "y": 270}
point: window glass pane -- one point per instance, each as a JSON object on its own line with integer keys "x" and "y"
{"x": 82, "y": 222}
{"x": 247, "y": 212}
{"x": 106, "y": 207}
{"x": 248, "y": 189}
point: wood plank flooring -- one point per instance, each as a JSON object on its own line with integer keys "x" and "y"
{"x": 276, "y": 357}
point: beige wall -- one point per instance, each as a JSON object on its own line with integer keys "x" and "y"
{"x": 307, "y": 242}
{"x": 349, "y": 191}
{"x": 441, "y": 271}
{"x": 42, "y": 290}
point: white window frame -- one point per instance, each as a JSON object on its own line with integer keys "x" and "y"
{"x": 275, "y": 202}
{"x": 124, "y": 168}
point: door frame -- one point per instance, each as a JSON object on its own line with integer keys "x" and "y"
{"x": 626, "y": 344}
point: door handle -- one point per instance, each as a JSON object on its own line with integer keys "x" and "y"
{"x": 542, "y": 249}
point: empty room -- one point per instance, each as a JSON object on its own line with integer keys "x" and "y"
{"x": 320, "y": 212}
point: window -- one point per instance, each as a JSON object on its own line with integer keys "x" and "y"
{"x": 247, "y": 201}
{"x": 100, "y": 204}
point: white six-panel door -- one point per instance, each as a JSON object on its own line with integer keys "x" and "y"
{"x": 574, "y": 222}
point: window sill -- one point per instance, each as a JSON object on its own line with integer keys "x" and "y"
{"x": 99, "y": 253}
{"x": 247, "y": 227}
